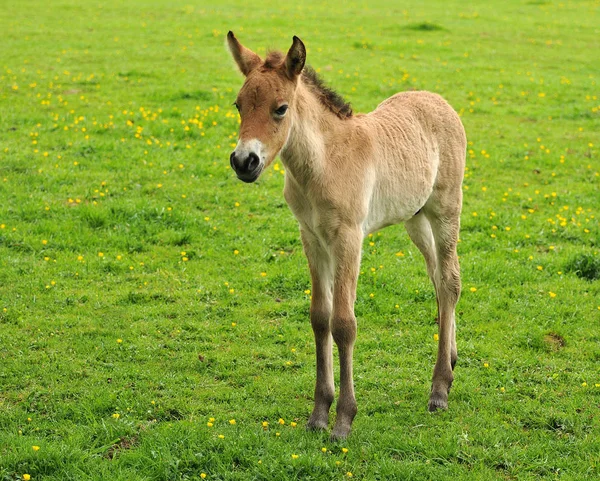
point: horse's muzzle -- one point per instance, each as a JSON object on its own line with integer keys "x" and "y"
{"x": 248, "y": 169}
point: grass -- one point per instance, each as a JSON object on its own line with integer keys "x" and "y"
{"x": 149, "y": 298}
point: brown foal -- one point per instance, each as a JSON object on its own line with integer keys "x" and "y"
{"x": 347, "y": 175}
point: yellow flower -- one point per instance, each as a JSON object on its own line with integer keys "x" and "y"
{"x": 221, "y": 436}
{"x": 293, "y": 424}
{"x": 265, "y": 424}
{"x": 232, "y": 421}
{"x": 209, "y": 424}
{"x": 324, "y": 450}
{"x": 552, "y": 294}
{"x": 294, "y": 456}
{"x": 436, "y": 337}
{"x": 100, "y": 254}
{"x": 119, "y": 341}
{"x": 44, "y": 242}
{"x": 35, "y": 448}
{"x": 344, "y": 450}
{"x": 116, "y": 415}
{"x": 281, "y": 421}
{"x": 486, "y": 365}
{"x": 236, "y": 252}
{"x": 203, "y": 475}
{"x": 26, "y": 477}
{"x": 473, "y": 289}
{"x": 263, "y": 274}
{"x": 349, "y": 474}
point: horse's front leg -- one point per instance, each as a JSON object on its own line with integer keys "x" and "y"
{"x": 346, "y": 253}
{"x": 321, "y": 271}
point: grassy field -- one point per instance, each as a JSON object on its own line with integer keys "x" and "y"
{"x": 154, "y": 310}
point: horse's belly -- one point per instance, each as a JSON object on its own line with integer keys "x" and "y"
{"x": 396, "y": 202}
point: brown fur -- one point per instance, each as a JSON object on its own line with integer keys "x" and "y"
{"x": 349, "y": 175}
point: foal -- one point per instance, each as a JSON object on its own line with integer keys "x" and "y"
{"x": 346, "y": 176}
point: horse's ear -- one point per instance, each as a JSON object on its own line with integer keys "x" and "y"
{"x": 295, "y": 59}
{"x": 245, "y": 58}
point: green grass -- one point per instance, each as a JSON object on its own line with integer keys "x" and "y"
{"x": 132, "y": 260}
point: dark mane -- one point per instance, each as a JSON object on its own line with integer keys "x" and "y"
{"x": 328, "y": 97}
{"x": 274, "y": 59}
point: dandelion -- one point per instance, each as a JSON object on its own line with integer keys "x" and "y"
{"x": 209, "y": 424}
{"x": 236, "y": 252}
{"x": 281, "y": 421}
{"x": 293, "y": 424}
{"x": 324, "y": 450}
{"x": 436, "y": 337}
{"x": 552, "y": 294}
{"x": 221, "y": 436}
{"x": 473, "y": 289}
{"x": 344, "y": 450}
{"x": 203, "y": 475}
{"x": 44, "y": 242}
{"x": 35, "y": 448}
{"x": 307, "y": 292}
{"x": 100, "y": 254}
{"x": 584, "y": 384}
{"x": 486, "y": 365}
{"x": 263, "y": 274}
{"x": 349, "y": 474}
{"x": 265, "y": 424}
{"x": 116, "y": 415}
{"x": 232, "y": 421}
{"x": 26, "y": 477}
{"x": 119, "y": 341}
{"x": 294, "y": 456}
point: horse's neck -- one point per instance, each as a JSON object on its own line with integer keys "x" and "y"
{"x": 312, "y": 135}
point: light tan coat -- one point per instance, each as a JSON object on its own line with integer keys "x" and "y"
{"x": 347, "y": 176}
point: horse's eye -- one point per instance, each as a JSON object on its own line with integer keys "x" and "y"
{"x": 281, "y": 110}
{"x": 236, "y": 106}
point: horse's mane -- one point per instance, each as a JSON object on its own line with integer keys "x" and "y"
{"x": 328, "y": 97}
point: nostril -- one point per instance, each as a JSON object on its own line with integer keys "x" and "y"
{"x": 231, "y": 160}
{"x": 253, "y": 162}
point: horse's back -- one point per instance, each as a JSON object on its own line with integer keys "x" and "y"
{"x": 419, "y": 151}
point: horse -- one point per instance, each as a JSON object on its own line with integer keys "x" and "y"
{"x": 348, "y": 175}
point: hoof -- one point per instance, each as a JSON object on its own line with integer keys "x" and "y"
{"x": 316, "y": 424}
{"x": 340, "y": 433}
{"x": 437, "y": 401}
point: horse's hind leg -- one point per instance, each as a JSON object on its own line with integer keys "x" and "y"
{"x": 445, "y": 226}
{"x": 419, "y": 231}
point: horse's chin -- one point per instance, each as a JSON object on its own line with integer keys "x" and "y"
{"x": 252, "y": 177}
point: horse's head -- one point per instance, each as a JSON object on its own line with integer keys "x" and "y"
{"x": 264, "y": 103}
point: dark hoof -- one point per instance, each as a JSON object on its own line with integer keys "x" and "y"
{"x": 437, "y": 401}
{"x": 340, "y": 433}
{"x": 316, "y": 425}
